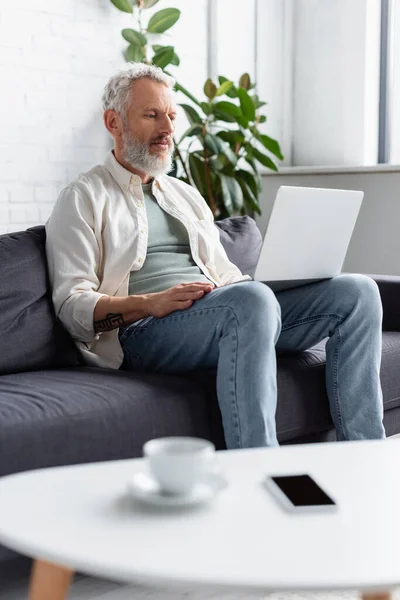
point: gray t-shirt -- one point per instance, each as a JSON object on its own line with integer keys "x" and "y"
{"x": 169, "y": 260}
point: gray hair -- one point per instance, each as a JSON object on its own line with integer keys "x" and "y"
{"x": 117, "y": 91}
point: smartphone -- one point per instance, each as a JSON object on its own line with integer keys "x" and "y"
{"x": 299, "y": 493}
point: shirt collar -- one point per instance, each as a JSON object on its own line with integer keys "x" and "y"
{"x": 125, "y": 178}
{"x": 122, "y": 176}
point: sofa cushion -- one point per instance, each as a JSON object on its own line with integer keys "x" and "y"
{"x": 31, "y": 337}
{"x": 390, "y": 369}
{"x": 67, "y": 416}
{"x": 242, "y": 241}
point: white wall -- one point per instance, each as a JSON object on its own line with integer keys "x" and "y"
{"x": 335, "y": 82}
{"x": 55, "y": 58}
{"x": 375, "y": 245}
{"x": 274, "y": 69}
{"x": 235, "y": 38}
{"x": 395, "y": 86}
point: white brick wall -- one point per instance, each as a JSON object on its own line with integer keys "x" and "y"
{"x": 55, "y": 58}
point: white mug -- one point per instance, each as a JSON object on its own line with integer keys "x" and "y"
{"x": 179, "y": 463}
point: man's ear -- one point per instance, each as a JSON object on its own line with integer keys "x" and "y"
{"x": 113, "y": 122}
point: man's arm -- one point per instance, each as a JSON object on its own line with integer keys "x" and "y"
{"x": 73, "y": 254}
{"x": 113, "y": 312}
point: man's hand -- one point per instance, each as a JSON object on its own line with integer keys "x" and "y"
{"x": 178, "y": 297}
{"x": 113, "y": 312}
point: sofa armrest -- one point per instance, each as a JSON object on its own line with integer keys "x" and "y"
{"x": 389, "y": 287}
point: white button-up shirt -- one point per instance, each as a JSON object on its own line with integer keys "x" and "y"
{"x": 97, "y": 235}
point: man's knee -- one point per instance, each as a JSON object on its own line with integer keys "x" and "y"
{"x": 254, "y": 301}
{"x": 360, "y": 291}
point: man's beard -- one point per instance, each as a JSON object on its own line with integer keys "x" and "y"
{"x": 138, "y": 155}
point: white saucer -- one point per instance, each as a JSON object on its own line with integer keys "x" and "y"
{"x": 144, "y": 488}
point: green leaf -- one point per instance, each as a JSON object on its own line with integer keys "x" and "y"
{"x": 191, "y": 114}
{"x": 207, "y": 108}
{"x": 175, "y": 60}
{"x": 163, "y": 57}
{"x": 213, "y": 143}
{"x": 224, "y": 88}
{"x": 134, "y": 37}
{"x": 268, "y": 143}
{"x": 232, "y": 92}
{"x": 149, "y": 3}
{"x": 250, "y": 160}
{"x": 271, "y": 145}
{"x": 264, "y": 160}
{"x": 232, "y": 137}
{"x": 216, "y": 163}
{"x": 180, "y": 88}
{"x": 243, "y": 122}
{"x": 196, "y": 167}
{"x": 163, "y": 20}
{"x": 217, "y": 146}
{"x": 257, "y": 102}
{"x": 134, "y": 53}
{"x": 250, "y": 200}
{"x": 227, "y": 108}
{"x": 123, "y": 5}
{"x": 226, "y": 197}
{"x": 262, "y": 119}
{"x": 244, "y": 81}
{"x": 210, "y": 89}
{"x": 246, "y": 104}
{"x": 249, "y": 179}
{"x": 193, "y": 130}
{"x": 230, "y": 155}
{"x": 222, "y": 116}
{"x": 227, "y": 155}
{"x": 231, "y": 192}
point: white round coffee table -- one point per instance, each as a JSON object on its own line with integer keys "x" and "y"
{"x": 80, "y": 519}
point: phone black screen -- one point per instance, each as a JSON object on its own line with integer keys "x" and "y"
{"x": 302, "y": 490}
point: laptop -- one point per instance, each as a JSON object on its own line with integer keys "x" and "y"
{"x": 307, "y": 237}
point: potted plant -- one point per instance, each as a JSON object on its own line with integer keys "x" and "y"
{"x": 222, "y": 150}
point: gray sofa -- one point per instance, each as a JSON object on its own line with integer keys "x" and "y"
{"x": 56, "y": 411}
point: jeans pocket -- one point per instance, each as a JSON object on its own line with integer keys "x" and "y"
{"x": 133, "y": 361}
{"x": 133, "y": 329}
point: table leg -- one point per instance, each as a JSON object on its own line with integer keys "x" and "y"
{"x": 377, "y": 596}
{"x": 49, "y": 582}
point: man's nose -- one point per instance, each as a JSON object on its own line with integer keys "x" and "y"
{"x": 167, "y": 126}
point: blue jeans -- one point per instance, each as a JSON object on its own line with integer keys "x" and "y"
{"x": 239, "y": 329}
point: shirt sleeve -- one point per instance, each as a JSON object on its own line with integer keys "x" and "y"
{"x": 73, "y": 258}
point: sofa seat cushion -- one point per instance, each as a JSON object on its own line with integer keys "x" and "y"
{"x": 62, "y": 417}
{"x": 303, "y": 405}
{"x": 79, "y": 415}
{"x": 390, "y": 369}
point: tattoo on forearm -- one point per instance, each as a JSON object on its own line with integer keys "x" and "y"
{"x": 112, "y": 321}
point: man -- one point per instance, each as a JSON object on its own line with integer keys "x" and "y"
{"x": 140, "y": 279}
